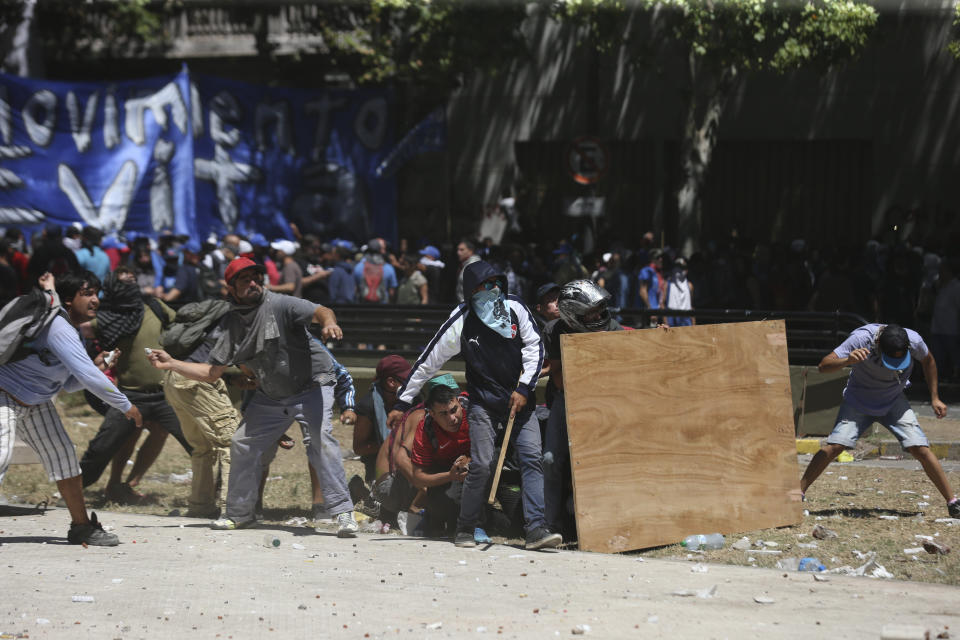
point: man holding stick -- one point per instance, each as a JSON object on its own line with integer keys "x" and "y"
{"x": 501, "y": 345}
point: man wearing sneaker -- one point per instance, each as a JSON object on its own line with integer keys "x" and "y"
{"x": 58, "y": 361}
{"x": 268, "y": 333}
{"x": 499, "y": 340}
{"x": 881, "y": 358}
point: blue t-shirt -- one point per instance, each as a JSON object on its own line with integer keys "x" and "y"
{"x": 651, "y": 279}
{"x": 872, "y": 388}
{"x": 96, "y": 261}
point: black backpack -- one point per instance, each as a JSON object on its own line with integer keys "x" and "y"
{"x": 23, "y": 319}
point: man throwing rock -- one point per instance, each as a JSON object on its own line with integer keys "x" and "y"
{"x": 268, "y": 333}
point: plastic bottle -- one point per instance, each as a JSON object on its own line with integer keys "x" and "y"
{"x": 271, "y": 541}
{"x": 810, "y": 564}
{"x": 701, "y": 541}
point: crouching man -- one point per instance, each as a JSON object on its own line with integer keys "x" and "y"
{"x": 441, "y": 454}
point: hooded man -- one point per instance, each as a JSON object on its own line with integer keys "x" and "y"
{"x": 499, "y": 340}
{"x": 268, "y": 333}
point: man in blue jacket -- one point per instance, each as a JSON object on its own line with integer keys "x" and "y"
{"x": 499, "y": 340}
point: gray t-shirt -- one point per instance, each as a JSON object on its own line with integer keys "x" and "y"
{"x": 272, "y": 340}
{"x": 872, "y": 388}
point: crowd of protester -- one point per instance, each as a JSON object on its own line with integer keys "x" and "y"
{"x": 138, "y": 284}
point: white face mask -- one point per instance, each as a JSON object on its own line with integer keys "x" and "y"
{"x": 490, "y": 306}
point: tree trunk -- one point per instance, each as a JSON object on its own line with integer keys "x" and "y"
{"x": 696, "y": 150}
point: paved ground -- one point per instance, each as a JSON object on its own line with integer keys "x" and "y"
{"x": 174, "y": 577}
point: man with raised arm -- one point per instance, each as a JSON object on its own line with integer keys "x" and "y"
{"x": 268, "y": 333}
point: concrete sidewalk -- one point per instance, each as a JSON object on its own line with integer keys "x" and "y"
{"x": 174, "y": 577}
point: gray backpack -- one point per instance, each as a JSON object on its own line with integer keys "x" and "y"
{"x": 22, "y": 320}
{"x": 190, "y": 326}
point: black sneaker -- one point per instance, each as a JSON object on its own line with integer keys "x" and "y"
{"x": 542, "y": 538}
{"x": 92, "y": 534}
{"x": 954, "y": 509}
{"x": 464, "y": 539}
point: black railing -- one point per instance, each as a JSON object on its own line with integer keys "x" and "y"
{"x": 370, "y": 331}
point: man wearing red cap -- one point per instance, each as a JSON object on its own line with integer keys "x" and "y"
{"x": 268, "y": 333}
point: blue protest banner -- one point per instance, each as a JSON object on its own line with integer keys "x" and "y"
{"x": 194, "y": 155}
{"x": 114, "y": 156}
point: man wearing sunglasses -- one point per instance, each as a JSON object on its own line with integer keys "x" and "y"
{"x": 500, "y": 342}
{"x": 881, "y": 358}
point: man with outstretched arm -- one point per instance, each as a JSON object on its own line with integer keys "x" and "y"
{"x": 268, "y": 333}
{"x": 881, "y": 359}
{"x": 58, "y": 360}
{"x": 501, "y": 345}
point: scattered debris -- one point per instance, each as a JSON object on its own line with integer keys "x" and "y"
{"x": 79, "y": 598}
{"x": 871, "y": 568}
{"x": 913, "y": 550}
{"x": 822, "y": 533}
{"x": 434, "y": 625}
{"x": 298, "y": 521}
{"x": 699, "y": 568}
{"x": 820, "y": 578}
{"x": 763, "y": 600}
{"x": 699, "y": 593}
{"x": 580, "y": 629}
{"x": 935, "y": 548}
{"x": 889, "y": 517}
{"x": 298, "y": 546}
{"x": 743, "y": 544}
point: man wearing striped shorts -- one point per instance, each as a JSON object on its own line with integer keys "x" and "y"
{"x": 58, "y": 361}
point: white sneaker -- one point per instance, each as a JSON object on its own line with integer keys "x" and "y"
{"x": 347, "y": 527}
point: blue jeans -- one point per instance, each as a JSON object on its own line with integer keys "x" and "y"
{"x": 255, "y": 442}
{"x": 900, "y": 420}
{"x": 484, "y": 455}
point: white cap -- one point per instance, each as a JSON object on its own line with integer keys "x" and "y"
{"x": 287, "y": 246}
{"x": 245, "y": 247}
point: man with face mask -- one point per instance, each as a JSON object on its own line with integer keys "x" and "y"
{"x": 267, "y": 333}
{"x": 501, "y": 345}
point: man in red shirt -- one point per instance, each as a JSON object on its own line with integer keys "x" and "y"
{"x": 440, "y": 454}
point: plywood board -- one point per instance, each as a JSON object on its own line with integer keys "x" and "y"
{"x": 678, "y": 432}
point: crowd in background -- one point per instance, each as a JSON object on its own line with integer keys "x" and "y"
{"x": 880, "y": 281}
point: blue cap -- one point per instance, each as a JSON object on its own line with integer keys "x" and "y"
{"x": 192, "y": 245}
{"x": 894, "y": 363}
{"x": 431, "y": 251}
{"x": 110, "y": 242}
{"x": 258, "y": 240}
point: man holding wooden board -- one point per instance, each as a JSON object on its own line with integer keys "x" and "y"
{"x": 881, "y": 359}
{"x": 501, "y": 345}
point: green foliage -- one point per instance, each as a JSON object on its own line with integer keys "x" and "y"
{"x": 746, "y": 34}
{"x": 68, "y": 29}
{"x": 426, "y": 42}
{"x": 954, "y": 45}
{"x": 602, "y": 21}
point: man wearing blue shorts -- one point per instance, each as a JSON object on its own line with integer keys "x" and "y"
{"x": 881, "y": 359}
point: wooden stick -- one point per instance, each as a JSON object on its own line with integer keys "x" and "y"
{"x": 503, "y": 454}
